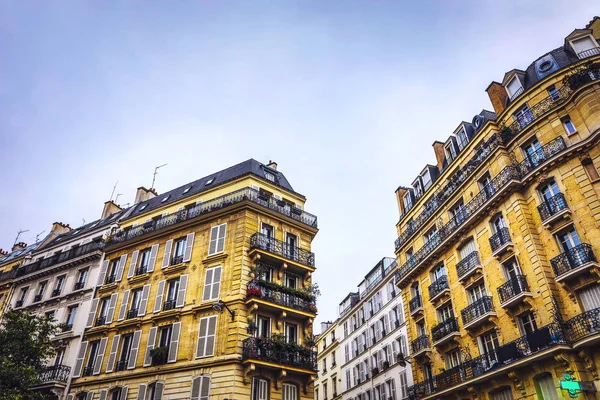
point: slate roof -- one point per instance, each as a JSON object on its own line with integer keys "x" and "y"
{"x": 248, "y": 167}
{"x": 17, "y": 253}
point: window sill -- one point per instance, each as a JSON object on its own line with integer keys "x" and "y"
{"x": 215, "y": 258}
{"x": 108, "y": 287}
{"x": 139, "y": 278}
{"x": 175, "y": 268}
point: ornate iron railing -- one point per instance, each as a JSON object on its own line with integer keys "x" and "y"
{"x": 176, "y": 260}
{"x": 88, "y": 371}
{"x": 59, "y": 258}
{"x": 79, "y": 285}
{"x": 438, "y": 286}
{"x": 141, "y": 270}
{"x": 444, "y": 328}
{"x": 169, "y": 304}
{"x": 37, "y": 298}
{"x": 245, "y": 194}
{"x": 415, "y": 303}
{"x": 55, "y": 373}
{"x": 467, "y": 264}
{"x": 499, "y": 239}
{"x": 477, "y": 309}
{"x": 56, "y": 292}
{"x": 279, "y": 353}
{"x": 266, "y": 291}
{"x": 583, "y": 325}
{"x": 420, "y": 343}
{"x": 552, "y": 206}
{"x": 573, "y": 258}
{"x": 514, "y": 287}
{"x": 132, "y": 313}
{"x": 121, "y": 365}
{"x": 534, "y": 160}
{"x": 272, "y": 245}
{"x": 101, "y": 321}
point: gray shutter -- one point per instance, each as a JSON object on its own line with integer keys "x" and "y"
{"x": 174, "y": 345}
{"x": 124, "y": 303}
{"x": 153, "y": 253}
{"x": 158, "y": 300}
{"x": 167, "y": 255}
{"x": 110, "y": 365}
{"x": 141, "y": 392}
{"x": 92, "y": 313}
{"x": 103, "y": 394}
{"x": 144, "y": 301}
{"x": 121, "y": 268}
{"x": 201, "y": 343}
{"x": 205, "y": 388}
{"x": 196, "y": 382}
{"x": 208, "y": 279}
{"x": 216, "y": 286}
{"x": 150, "y": 346}
{"x": 132, "y": 265}
{"x": 135, "y": 345}
{"x": 79, "y": 360}
{"x": 124, "y": 391}
{"x": 100, "y": 356}
{"x": 210, "y": 337}
{"x": 221, "y": 240}
{"x": 112, "y": 304}
{"x": 102, "y": 273}
{"x": 214, "y": 234}
{"x": 159, "y": 390}
{"x": 189, "y": 244}
{"x": 183, "y": 281}
{"x": 89, "y": 395}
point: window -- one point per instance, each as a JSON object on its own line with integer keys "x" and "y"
{"x": 450, "y": 152}
{"x": 488, "y": 343}
{"x": 527, "y": 323}
{"x": 179, "y": 251}
{"x": 462, "y": 138}
{"x": 348, "y": 379}
{"x": 486, "y": 185}
{"x": 458, "y": 212}
{"x": 524, "y": 116}
{"x": 81, "y": 278}
{"x": 547, "y": 192}
{"x": 125, "y": 350}
{"x": 111, "y": 273}
{"x": 545, "y": 387}
{"x": 217, "y": 239}
{"x": 590, "y": 297}
{"x": 391, "y": 389}
{"x": 504, "y": 394}
{"x": 584, "y": 47}
{"x": 260, "y": 389}
{"x": 418, "y": 188}
{"x": 553, "y": 92}
{"x": 476, "y": 292}
{"x": 208, "y": 182}
{"x": 263, "y": 325}
{"x": 426, "y": 177}
{"x": 187, "y": 189}
{"x": 568, "y": 239}
{"x": 71, "y": 313}
{"x": 514, "y": 87}
{"x": 438, "y": 271}
{"x": 172, "y": 290}
{"x": 206, "y": 336}
{"x": 291, "y": 242}
{"x": 269, "y": 176}
{"x": 590, "y": 169}
{"x": 155, "y": 391}
{"x": 60, "y": 282}
{"x": 89, "y": 367}
{"x": 291, "y": 332}
{"x": 498, "y": 224}
{"x": 144, "y": 262}
{"x": 104, "y": 305}
{"x": 325, "y": 390}
{"x": 403, "y": 384}
{"x": 291, "y": 280}
{"x": 445, "y": 312}
{"x": 165, "y": 336}
{"x": 22, "y": 297}
{"x": 452, "y": 359}
{"x": 50, "y": 314}
{"x": 201, "y": 388}
{"x": 334, "y": 385}
{"x": 534, "y": 152}
{"x": 40, "y": 292}
{"x": 431, "y": 235}
{"x": 407, "y": 199}
{"x": 568, "y": 125}
{"x": 136, "y": 298}
{"x": 212, "y": 284}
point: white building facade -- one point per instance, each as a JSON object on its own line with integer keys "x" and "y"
{"x": 328, "y": 383}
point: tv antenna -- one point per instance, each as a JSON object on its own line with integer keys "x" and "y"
{"x": 156, "y": 173}
{"x": 117, "y": 198}
{"x": 19, "y": 235}
{"x": 113, "y": 192}
{"x": 37, "y": 237}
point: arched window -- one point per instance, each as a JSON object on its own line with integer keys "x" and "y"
{"x": 153, "y": 391}
{"x": 200, "y": 388}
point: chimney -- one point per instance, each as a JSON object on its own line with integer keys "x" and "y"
{"x": 325, "y": 325}
{"x": 3, "y": 253}
{"x": 19, "y": 246}
{"x": 438, "y": 149}
{"x": 400, "y": 192}
{"x": 498, "y": 96}
{"x": 272, "y": 164}
{"x": 144, "y": 194}
{"x": 109, "y": 209}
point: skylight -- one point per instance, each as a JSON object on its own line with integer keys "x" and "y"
{"x": 208, "y": 182}
{"x": 144, "y": 206}
{"x": 187, "y": 189}
{"x": 165, "y": 199}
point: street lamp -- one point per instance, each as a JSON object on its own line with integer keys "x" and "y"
{"x": 219, "y": 306}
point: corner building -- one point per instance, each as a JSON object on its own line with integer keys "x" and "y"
{"x": 204, "y": 293}
{"x": 499, "y": 239}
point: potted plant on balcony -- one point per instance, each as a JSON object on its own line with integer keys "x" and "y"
{"x": 386, "y": 364}
{"x": 254, "y": 291}
{"x": 310, "y": 341}
{"x": 313, "y": 308}
{"x": 251, "y": 328}
{"x": 159, "y": 355}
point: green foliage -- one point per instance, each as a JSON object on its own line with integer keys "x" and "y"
{"x": 26, "y": 346}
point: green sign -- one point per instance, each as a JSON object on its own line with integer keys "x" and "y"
{"x": 570, "y": 385}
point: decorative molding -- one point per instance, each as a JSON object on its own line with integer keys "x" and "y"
{"x": 589, "y": 362}
{"x": 518, "y": 383}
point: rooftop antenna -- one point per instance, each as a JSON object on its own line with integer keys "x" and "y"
{"x": 156, "y": 173}
{"x": 117, "y": 198}
{"x": 113, "y": 192}
{"x": 83, "y": 221}
{"x": 37, "y": 237}
{"x": 19, "y": 234}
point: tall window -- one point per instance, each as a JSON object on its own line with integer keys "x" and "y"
{"x": 60, "y": 282}
{"x": 533, "y": 152}
{"x": 212, "y": 284}
{"x": 111, "y": 273}
{"x": 452, "y": 359}
{"x": 498, "y": 224}
{"x": 291, "y": 332}
{"x": 488, "y": 343}
{"x": 524, "y": 116}
{"x": 438, "y": 271}
{"x": 545, "y": 387}
{"x": 476, "y": 292}
{"x": 590, "y": 169}
{"x": 81, "y": 278}
{"x": 144, "y": 262}
{"x": 589, "y": 298}
{"x": 462, "y": 138}
{"x": 445, "y": 312}
{"x": 136, "y": 298}
{"x": 172, "y": 289}
{"x": 548, "y": 191}
{"x": 217, "y": 239}
{"x": 568, "y": 239}
{"x": 71, "y": 313}
{"x": 486, "y": 185}
{"x": 569, "y": 126}
{"x": 125, "y": 349}
{"x": 179, "y": 251}
{"x": 511, "y": 269}
{"x": 553, "y": 92}
{"x": 289, "y": 391}
{"x": 504, "y": 394}
{"x": 527, "y": 323}
{"x": 260, "y": 389}
{"x": 263, "y": 325}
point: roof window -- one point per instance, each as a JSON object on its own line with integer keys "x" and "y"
{"x": 208, "y": 182}
{"x": 187, "y": 189}
{"x": 165, "y": 198}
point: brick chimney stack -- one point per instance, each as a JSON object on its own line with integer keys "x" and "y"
{"x": 109, "y": 209}
{"x": 144, "y": 194}
{"x": 19, "y": 246}
{"x": 438, "y": 149}
{"x": 272, "y": 164}
{"x": 498, "y": 96}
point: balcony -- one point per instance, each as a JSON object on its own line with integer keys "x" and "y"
{"x": 274, "y": 246}
{"x": 584, "y": 328}
{"x": 415, "y": 305}
{"x": 133, "y": 313}
{"x": 141, "y": 270}
{"x": 87, "y": 371}
{"x": 177, "y": 260}
{"x": 100, "y": 321}
{"x": 79, "y": 285}
{"x": 270, "y": 351}
{"x": 546, "y": 152}
{"x": 55, "y": 373}
{"x": 169, "y": 304}
{"x": 111, "y": 278}
{"x": 281, "y": 295}
{"x": 513, "y": 291}
{"x": 121, "y": 365}
{"x": 468, "y": 266}
{"x": 218, "y": 203}
{"x": 554, "y": 209}
{"x": 478, "y": 312}
{"x": 573, "y": 262}
{"x": 445, "y": 331}
{"x": 595, "y": 51}
{"x": 420, "y": 346}
{"x": 76, "y": 254}
{"x": 438, "y": 288}
{"x": 500, "y": 242}
{"x": 159, "y": 355}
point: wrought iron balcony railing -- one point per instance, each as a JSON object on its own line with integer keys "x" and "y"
{"x": 467, "y": 264}
{"x": 230, "y": 199}
{"x": 56, "y": 292}
{"x": 111, "y": 278}
{"x": 438, "y": 286}
{"x": 141, "y": 270}
{"x": 60, "y": 258}
{"x": 19, "y": 303}
{"x": 552, "y": 206}
{"x": 132, "y": 313}
{"x": 79, "y": 285}
{"x": 280, "y": 295}
{"x": 37, "y": 298}
{"x": 272, "y": 245}
{"x": 419, "y": 344}
{"x": 415, "y": 303}
{"x": 88, "y": 371}
{"x": 279, "y": 353}
{"x": 121, "y": 365}
{"x": 101, "y": 320}
{"x": 177, "y": 260}
{"x": 499, "y": 239}
{"x": 55, "y": 373}
{"x": 584, "y": 325}
{"x": 514, "y": 287}
{"x": 444, "y": 328}
{"x": 169, "y": 304}
{"x": 573, "y": 258}
{"x": 534, "y": 160}
{"x": 477, "y": 309}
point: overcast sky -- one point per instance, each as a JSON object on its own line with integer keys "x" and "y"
{"x": 347, "y": 96}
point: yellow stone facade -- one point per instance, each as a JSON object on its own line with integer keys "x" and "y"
{"x": 505, "y": 253}
{"x": 220, "y": 351}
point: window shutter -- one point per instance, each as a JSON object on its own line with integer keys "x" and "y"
{"x": 208, "y": 284}
{"x": 196, "y": 383}
{"x": 89, "y": 395}
{"x": 150, "y": 346}
{"x": 121, "y": 268}
{"x": 113, "y": 353}
{"x": 102, "y": 273}
{"x": 264, "y": 390}
{"x": 133, "y": 352}
{"x": 100, "y": 356}
{"x": 173, "y": 346}
{"x": 152, "y": 261}
{"x": 158, "y": 300}
{"x": 221, "y": 242}
{"x": 142, "y": 391}
{"x": 144, "y": 300}
{"x": 189, "y": 245}
{"x": 212, "y": 246}
{"x": 133, "y": 263}
{"x": 112, "y": 304}
{"x": 183, "y": 281}
{"x": 159, "y": 391}
{"x": 216, "y": 286}
{"x": 103, "y": 394}
{"x": 79, "y": 360}
{"x": 206, "y": 337}
{"x": 167, "y": 256}
{"x": 92, "y": 314}
{"x": 386, "y": 324}
{"x": 123, "y": 309}
{"x": 124, "y": 391}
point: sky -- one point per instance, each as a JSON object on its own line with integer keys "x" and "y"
{"x": 346, "y": 96}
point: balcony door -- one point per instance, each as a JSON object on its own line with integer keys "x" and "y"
{"x": 291, "y": 242}
{"x": 267, "y": 230}
{"x": 476, "y": 293}
{"x": 512, "y": 269}
{"x": 486, "y": 185}
{"x": 568, "y": 239}
{"x": 263, "y": 327}
{"x": 590, "y": 297}
{"x": 498, "y": 224}
{"x": 488, "y": 343}
{"x": 548, "y": 191}
{"x": 260, "y": 389}
{"x": 445, "y": 312}
{"x": 467, "y": 248}
{"x": 421, "y": 330}
{"x": 438, "y": 272}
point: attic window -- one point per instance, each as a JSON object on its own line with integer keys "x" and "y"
{"x": 269, "y": 176}
{"x": 165, "y": 199}
{"x": 462, "y": 138}
{"x": 208, "y": 182}
{"x": 585, "y": 47}
{"x": 545, "y": 66}
{"x": 514, "y": 88}
{"x": 76, "y": 232}
{"x": 187, "y": 189}
{"x": 450, "y": 152}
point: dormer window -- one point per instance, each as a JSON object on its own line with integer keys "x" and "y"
{"x": 514, "y": 88}
{"x": 585, "y": 46}
{"x": 462, "y": 137}
{"x": 450, "y": 151}
{"x": 269, "y": 176}
{"x": 407, "y": 200}
{"x": 426, "y": 177}
{"x": 418, "y": 188}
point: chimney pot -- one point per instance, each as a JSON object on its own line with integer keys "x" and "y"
{"x": 19, "y": 246}
{"x": 272, "y": 164}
